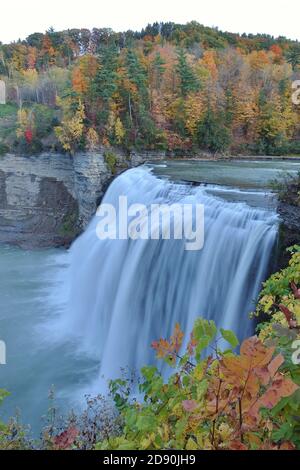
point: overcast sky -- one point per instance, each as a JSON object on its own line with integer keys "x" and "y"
{"x": 19, "y": 18}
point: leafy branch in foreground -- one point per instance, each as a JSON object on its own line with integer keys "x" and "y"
{"x": 223, "y": 401}
{"x": 279, "y": 303}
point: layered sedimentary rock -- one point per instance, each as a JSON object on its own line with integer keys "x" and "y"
{"x": 47, "y": 199}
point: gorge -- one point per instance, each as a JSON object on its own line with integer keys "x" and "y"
{"x": 89, "y": 311}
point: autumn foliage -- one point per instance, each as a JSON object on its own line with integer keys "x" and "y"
{"x": 215, "y": 399}
{"x": 218, "y": 398}
{"x": 177, "y": 88}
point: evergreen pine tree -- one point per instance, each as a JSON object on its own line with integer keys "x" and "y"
{"x": 188, "y": 80}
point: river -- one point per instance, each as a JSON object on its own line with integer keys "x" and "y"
{"x": 69, "y": 317}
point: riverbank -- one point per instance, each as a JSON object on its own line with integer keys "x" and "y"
{"x": 210, "y": 157}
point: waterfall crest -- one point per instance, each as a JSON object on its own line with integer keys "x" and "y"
{"x": 125, "y": 293}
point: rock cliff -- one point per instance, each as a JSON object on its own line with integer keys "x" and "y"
{"x": 47, "y": 199}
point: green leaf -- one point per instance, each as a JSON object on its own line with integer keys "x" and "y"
{"x": 130, "y": 445}
{"x": 204, "y": 332}
{"x": 285, "y": 432}
{"x": 149, "y": 372}
{"x": 230, "y": 337}
{"x": 191, "y": 445}
{"x": 202, "y": 389}
{"x": 146, "y": 423}
{"x": 203, "y": 343}
{"x": 3, "y": 395}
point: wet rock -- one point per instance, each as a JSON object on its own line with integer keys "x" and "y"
{"x": 289, "y": 233}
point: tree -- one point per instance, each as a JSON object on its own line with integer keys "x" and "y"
{"x": 25, "y": 123}
{"x": 276, "y": 121}
{"x": 70, "y": 132}
{"x": 209, "y": 62}
{"x": 293, "y": 56}
{"x": 212, "y": 134}
{"x": 84, "y": 71}
{"x": 277, "y": 52}
{"x": 157, "y": 68}
{"x": 104, "y": 85}
{"x": 188, "y": 81}
{"x": 119, "y": 131}
{"x": 92, "y": 139}
{"x": 136, "y": 74}
{"x": 105, "y": 81}
{"x": 48, "y": 52}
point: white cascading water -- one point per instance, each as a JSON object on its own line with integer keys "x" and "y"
{"x": 125, "y": 293}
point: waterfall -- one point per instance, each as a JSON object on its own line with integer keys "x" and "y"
{"x": 126, "y": 293}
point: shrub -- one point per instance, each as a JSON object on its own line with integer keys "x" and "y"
{"x": 288, "y": 189}
{"x": 45, "y": 120}
{"x": 223, "y": 401}
{"x": 75, "y": 431}
{"x": 3, "y": 149}
{"x": 111, "y": 160}
{"x": 280, "y": 303}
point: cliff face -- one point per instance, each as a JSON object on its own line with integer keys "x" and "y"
{"x": 289, "y": 233}
{"x": 46, "y": 200}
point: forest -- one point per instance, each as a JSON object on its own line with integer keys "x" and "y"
{"x": 182, "y": 89}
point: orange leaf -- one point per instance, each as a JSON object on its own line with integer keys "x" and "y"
{"x": 275, "y": 364}
{"x": 162, "y": 347}
{"x": 237, "y": 445}
{"x": 281, "y": 387}
{"x": 263, "y": 374}
{"x": 287, "y": 446}
{"x": 260, "y": 355}
{"x": 177, "y": 338}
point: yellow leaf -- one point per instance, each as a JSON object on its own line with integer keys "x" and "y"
{"x": 191, "y": 445}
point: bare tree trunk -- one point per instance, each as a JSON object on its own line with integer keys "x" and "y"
{"x": 19, "y": 97}
{"x": 129, "y": 104}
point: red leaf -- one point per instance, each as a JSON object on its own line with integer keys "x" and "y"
{"x": 192, "y": 344}
{"x": 295, "y": 290}
{"x": 65, "y": 439}
{"x": 288, "y": 315}
{"x": 237, "y": 445}
{"x": 28, "y": 136}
